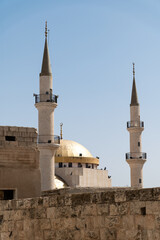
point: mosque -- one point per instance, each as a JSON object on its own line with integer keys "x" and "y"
{"x": 32, "y": 162}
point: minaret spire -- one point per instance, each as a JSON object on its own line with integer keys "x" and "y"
{"x": 134, "y": 97}
{"x": 46, "y": 66}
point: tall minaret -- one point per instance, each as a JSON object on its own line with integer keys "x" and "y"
{"x": 46, "y": 102}
{"x": 135, "y": 158}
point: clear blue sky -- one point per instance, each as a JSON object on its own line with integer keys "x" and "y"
{"x": 92, "y": 45}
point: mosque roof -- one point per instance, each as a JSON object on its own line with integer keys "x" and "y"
{"x": 70, "y": 148}
{"x": 71, "y": 151}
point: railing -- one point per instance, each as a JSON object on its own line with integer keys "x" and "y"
{"x": 131, "y": 124}
{"x": 49, "y": 139}
{"x": 134, "y": 155}
{"x": 48, "y": 97}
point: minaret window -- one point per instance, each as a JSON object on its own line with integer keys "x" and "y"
{"x": 140, "y": 180}
{"x": 138, "y": 144}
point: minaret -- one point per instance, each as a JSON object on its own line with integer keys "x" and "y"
{"x": 135, "y": 158}
{"x": 46, "y": 102}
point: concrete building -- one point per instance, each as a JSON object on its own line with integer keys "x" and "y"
{"x": 135, "y": 158}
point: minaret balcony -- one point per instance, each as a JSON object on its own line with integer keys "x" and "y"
{"x": 136, "y": 155}
{"x": 132, "y": 124}
{"x": 49, "y": 139}
{"x": 45, "y": 98}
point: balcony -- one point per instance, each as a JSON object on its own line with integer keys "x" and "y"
{"x": 131, "y": 124}
{"x": 49, "y": 139}
{"x": 134, "y": 155}
{"x": 48, "y": 97}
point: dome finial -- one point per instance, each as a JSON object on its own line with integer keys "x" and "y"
{"x": 61, "y": 125}
{"x": 46, "y": 30}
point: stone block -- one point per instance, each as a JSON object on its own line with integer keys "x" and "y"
{"x": 103, "y": 209}
{"x": 19, "y": 226}
{"x": 120, "y": 196}
{"x": 44, "y": 224}
{"x": 89, "y": 210}
{"x": 92, "y": 234}
{"x": 5, "y": 236}
{"x": 152, "y": 207}
{"x": 69, "y": 223}
{"x": 80, "y": 223}
{"x": 108, "y": 234}
{"x": 57, "y": 223}
{"x": 14, "y": 129}
{"x": 113, "y": 222}
{"x": 51, "y": 212}
{"x": 128, "y": 222}
{"x": 49, "y": 234}
{"x": 81, "y": 199}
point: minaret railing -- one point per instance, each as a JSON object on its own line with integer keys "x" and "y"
{"x": 136, "y": 155}
{"x": 45, "y": 98}
{"x": 131, "y": 124}
{"x": 49, "y": 139}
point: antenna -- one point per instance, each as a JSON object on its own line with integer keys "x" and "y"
{"x": 48, "y": 36}
{"x": 61, "y": 125}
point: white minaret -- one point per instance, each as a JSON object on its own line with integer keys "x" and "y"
{"x": 135, "y": 158}
{"x": 46, "y": 102}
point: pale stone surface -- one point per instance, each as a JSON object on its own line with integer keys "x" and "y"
{"x": 71, "y": 214}
{"x": 135, "y": 161}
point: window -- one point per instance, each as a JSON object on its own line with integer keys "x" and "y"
{"x": 140, "y": 180}
{"x": 143, "y": 211}
{"x": 93, "y": 166}
{"x": 86, "y": 165}
{"x": 79, "y": 165}
{"x": 70, "y": 164}
{"x": 138, "y": 144}
{"x": 6, "y": 194}
{"x": 60, "y": 165}
{"x": 10, "y": 138}
{"x": 80, "y": 154}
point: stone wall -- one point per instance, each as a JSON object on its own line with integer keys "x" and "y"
{"x": 103, "y": 214}
{"x": 19, "y": 161}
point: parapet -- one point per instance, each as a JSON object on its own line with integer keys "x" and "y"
{"x": 18, "y": 147}
{"x": 17, "y": 136}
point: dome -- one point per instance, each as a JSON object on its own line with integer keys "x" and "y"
{"x": 59, "y": 182}
{"x": 70, "y": 151}
{"x": 70, "y": 148}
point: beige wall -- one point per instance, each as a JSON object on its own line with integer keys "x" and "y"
{"x": 84, "y": 177}
{"x": 75, "y": 215}
{"x": 19, "y": 161}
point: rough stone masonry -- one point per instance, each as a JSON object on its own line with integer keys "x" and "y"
{"x": 83, "y": 214}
